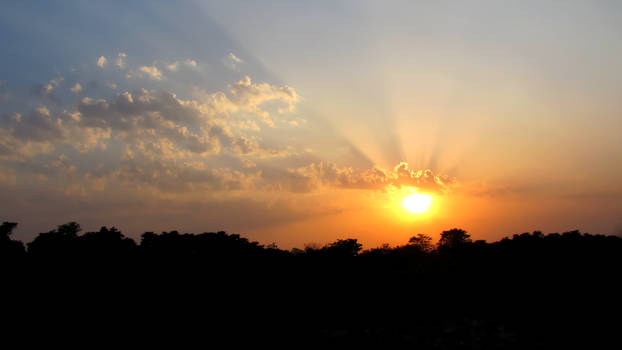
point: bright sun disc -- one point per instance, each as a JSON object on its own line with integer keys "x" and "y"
{"x": 417, "y": 203}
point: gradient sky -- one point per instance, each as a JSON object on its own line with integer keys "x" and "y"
{"x": 301, "y": 122}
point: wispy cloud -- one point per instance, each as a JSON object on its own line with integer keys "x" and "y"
{"x": 120, "y": 62}
{"x": 232, "y": 61}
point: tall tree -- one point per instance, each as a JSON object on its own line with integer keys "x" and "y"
{"x": 421, "y": 241}
{"x": 453, "y": 238}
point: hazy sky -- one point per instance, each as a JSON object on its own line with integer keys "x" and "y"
{"x": 298, "y": 122}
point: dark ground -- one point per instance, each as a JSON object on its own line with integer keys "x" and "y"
{"x": 531, "y": 291}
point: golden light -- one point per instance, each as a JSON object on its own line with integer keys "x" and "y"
{"x": 417, "y": 203}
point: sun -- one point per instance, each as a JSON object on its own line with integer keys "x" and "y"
{"x": 417, "y": 203}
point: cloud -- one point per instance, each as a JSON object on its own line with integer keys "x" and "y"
{"x": 246, "y": 163}
{"x": 77, "y": 88}
{"x": 120, "y": 62}
{"x": 12, "y": 148}
{"x": 232, "y": 62}
{"x": 24, "y": 137}
{"x": 56, "y": 81}
{"x": 249, "y": 96}
{"x": 153, "y": 144}
{"x": 39, "y": 125}
{"x": 101, "y": 61}
{"x": 169, "y": 176}
{"x": 62, "y": 166}
{"x": 173, "y": 67}
{"x": 146, "y": 139}
{"x": 44, "y": 90}
{"x": 41, "y": 132}
{"x": 316, "y": 175}
{"x": 151, "y": 71}
{"x": 158, "y": 124}
{"x": 153, "y": 123}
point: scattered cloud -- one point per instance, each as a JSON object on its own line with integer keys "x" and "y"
{"x": 250, "y": 96}
{"x": 56, "y": 81}
{"x": 77, "y": 88}
{"x": 120, "y": 62}
{"x": 232, "y": 61}
{"x": 321, "y": 174}
{"x": 151, "y": 140}
{"x": 101, "y": 61}
{"x": 151, "y": 71}
{"x": 45, "y": 89}
{"x": 173, "y": 67}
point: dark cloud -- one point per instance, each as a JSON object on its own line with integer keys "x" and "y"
{"x": 169, "y": 176}
{"x": 38, "y": 125}
{"x": 45, "y": 92}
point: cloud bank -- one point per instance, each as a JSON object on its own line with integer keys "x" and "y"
{"x": 123, "y": 128}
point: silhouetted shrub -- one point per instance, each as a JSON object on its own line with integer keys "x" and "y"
{"x": 10, "y": 249}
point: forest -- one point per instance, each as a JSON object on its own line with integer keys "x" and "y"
{"x": 527, "y": 290}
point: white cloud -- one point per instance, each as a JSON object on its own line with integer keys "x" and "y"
{"x": 234, "y": 58}
{"x": 24, "y": 136}
{"x": 232, "y": 61}
{"x": 76, "y": 88}
{"x": 157, "y": 124}
{"x": 120, "y": 62}
{"x": 148, "y": 137}
{"x": 152, "y": 72}
{"x": 56, "y": 81}
{"x": 101, "y": 61}
{"x": 173, "y": 67}
{"x": 249, "y": 96}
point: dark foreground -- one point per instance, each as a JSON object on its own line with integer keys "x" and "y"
{"x": 532, "y": 291}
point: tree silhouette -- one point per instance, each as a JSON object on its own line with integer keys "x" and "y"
{"x": 344, "y": 247}
{"x": 58, "y": 242}
{"x": 453, "y": 238}
{"x": 422, "y": 242}
{"x": 6, "y": 229}
{"x": 480, "y": 295}
{"x": 8, "y": 247}
{"x": 106, "y": 243}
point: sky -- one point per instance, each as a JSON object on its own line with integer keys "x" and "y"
{"x": 301, "y": 123}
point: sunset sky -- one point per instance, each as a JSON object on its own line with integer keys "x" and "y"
{"x": 306, "y": 122}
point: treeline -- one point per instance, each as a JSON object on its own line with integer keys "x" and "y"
{"x": 109, "y": 243}
{"x": 530, "y": 290}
